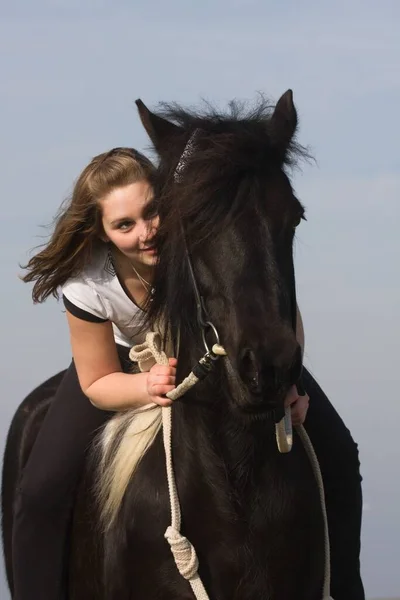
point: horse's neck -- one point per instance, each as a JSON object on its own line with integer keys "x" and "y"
{"x": 246, "y": 448}
{"x": 220, "y": 443}
{"x": 218, "y": 439}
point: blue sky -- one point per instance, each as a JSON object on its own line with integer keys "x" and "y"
{"x": 70, "y": 72}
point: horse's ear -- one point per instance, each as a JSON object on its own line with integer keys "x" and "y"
{"x": 158, "y": 129}
{"x": 283, "y": 122}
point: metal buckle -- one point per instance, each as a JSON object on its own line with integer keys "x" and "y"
{"x": 210, "y": 353}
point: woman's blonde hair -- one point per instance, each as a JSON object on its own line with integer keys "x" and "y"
{"x": 77, "y": 226}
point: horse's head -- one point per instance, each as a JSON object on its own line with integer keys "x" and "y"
{"x": 226, "y": 201}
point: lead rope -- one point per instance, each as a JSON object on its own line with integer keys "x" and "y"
{"x": 182, "y": 550}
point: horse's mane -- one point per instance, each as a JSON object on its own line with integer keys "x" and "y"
{"x": 234, "y": 156}
{"x": 231, "y": 151}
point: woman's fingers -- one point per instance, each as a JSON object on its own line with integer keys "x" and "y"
{"x": 298, "y": 404}
{"x": 299, "y": 410}
{"x": 162, "y": 370}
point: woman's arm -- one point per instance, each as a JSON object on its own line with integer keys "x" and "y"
{"x": 100, "y": 374}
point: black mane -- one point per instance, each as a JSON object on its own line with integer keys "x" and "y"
{"x": 234, "y": 157}
{"x": 242, "y": 133}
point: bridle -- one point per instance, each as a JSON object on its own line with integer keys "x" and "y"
{"x": 216, "y": 351}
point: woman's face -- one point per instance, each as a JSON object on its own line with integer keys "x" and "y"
{"x": 126, "y": 223}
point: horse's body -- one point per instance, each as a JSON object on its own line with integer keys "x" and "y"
{"x": 220, "y": 529}
{"x": 252, "y": 514}
{"x": 237, "y": 532}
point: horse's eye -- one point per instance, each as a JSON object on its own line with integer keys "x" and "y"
{"x": 298, "y": 220}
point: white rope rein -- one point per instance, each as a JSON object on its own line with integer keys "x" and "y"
{"x": 182, "y": 550}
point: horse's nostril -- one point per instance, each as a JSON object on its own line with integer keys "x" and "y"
{"x": 249, "y": 370}
{"x": 247, "y": 358}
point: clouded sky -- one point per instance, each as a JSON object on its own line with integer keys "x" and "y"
{"x": 70, "y": 72}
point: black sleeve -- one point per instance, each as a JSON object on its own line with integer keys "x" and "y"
{"x": 79, "y": 313}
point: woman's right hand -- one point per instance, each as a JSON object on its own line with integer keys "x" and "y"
{"x": 160, "y": 381}
{"x": 298, "y": 404}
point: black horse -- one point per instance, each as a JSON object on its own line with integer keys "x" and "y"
{"x": 228, "y": 217}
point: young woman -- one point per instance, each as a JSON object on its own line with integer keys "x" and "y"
{"x": 101, "y": 257}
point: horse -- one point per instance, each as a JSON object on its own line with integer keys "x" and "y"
{"x": 225, "y": 276}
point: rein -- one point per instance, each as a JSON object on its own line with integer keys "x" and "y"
{"x": 182, "y": 550}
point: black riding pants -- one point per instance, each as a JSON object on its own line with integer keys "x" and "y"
{"x": 338, "y": 458}
{"x": 44, "y": 504}
{"x": 43, "y": 507}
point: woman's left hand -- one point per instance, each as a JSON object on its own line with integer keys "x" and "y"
{"x": 298, "y": 404}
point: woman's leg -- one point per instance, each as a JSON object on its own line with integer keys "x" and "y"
{"x": 338, "y": 457}
{"x": 44, "y": 504}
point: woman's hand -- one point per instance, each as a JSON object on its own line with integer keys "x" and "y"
{"x": 298, "y": 404}
{"x": 160, "y": 381}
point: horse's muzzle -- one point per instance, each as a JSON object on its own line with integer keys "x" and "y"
{"x": 267, "y": 384}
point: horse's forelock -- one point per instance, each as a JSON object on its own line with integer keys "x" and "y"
{"x": 232, "y": 160}
{"x": 222, "y": 161}
{"x": 243, "y": 133}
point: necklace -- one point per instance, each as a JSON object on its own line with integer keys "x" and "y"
{"x": 146, "y": 285}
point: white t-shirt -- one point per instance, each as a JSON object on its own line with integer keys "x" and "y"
{"x": 97, "y": 295}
